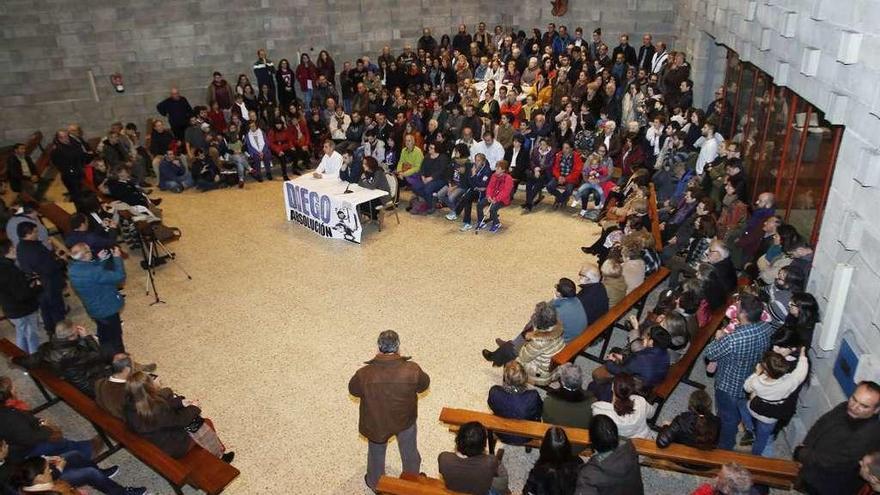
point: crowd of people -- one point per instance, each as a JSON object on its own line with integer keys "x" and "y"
{"x": 470, "y": 120}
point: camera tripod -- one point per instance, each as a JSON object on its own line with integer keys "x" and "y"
{"x": 155, "y": 253}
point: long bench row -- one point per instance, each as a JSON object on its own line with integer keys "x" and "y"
{"x": 199, "y": 468}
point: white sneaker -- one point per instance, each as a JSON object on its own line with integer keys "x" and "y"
{"x": 451, "y": 216}
{"x": 466, "y": 227}
{"x": 574, "y": 203}
{"x": 583, "y": 213}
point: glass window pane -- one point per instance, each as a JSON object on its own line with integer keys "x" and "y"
{"x": 747, "y": 83}
{"x": 769, "y": 153}
{"x": 817, "y": 160}
{"x": 799, "y": 133}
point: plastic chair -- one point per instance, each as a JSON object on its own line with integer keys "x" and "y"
{"x": 391, "y": 204}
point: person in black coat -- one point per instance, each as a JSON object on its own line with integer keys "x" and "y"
{"x": 697, "y": 427}
{"x": 518, "y": 158}
{"x": 178, "y": 111}
{"x": 34, "y": 257}
{"x": 21, "y": 172}
{"x": 556, "y": 470}
{"x": 722, "y": 278}
{"x": 19, "y": 295}
{"x": 70, "y": 159}
{"x": 592, "y": 295}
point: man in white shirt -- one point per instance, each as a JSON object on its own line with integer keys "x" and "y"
{"x": 489, "y": 147}
{"x": 708, "y": 145}
{"x": 660, "y": 58}
{"x": 330, "y": 164}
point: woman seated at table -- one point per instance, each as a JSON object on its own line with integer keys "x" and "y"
{"x": 172, "y": 422}
{"x": 373, "y": 177}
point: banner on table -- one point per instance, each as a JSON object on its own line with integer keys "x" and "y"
{"x": 322, "y": 213}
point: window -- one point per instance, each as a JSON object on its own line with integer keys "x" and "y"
{"x": 787, "y": 145}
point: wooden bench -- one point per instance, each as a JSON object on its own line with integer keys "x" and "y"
{"x": 779, "y": 473}
{"x": 680, "y": 372}
{"x": 409, "y": 484}
{"x": 655, "y": 218}
{"x": 604, "y": 326}
{"x": 198, "y": 468}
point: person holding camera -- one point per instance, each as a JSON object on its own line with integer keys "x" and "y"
{"x": 97, "y": 286}
{"x": 19, "y": 298}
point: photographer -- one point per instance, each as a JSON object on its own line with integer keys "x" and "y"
{"x": 34, "y": 258}
{"x": 19, "y": 299}
{"x": 97, "y": 287}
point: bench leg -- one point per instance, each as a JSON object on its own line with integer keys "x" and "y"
{"x": 656, "y": 416}
{"x": 492, "y": 441}
{"x": 601, "y": 357}
{"x": 50, "y": 401}
{"x": 688, "y": 381}
{"x": 111, "y": 447}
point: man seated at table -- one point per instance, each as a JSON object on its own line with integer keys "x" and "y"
{"x": 330, "y": 164}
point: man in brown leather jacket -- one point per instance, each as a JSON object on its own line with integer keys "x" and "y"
{"x": 388, "y": 387}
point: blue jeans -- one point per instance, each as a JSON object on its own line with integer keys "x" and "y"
{"x": 346, "y": 104}
{"x": 241, "y": 164}
{"x": 730, "y": 414}
{"x": 27, "y": 335}
{"x": 426, "y": 190}
{"x": 80, "y": 471}
{"x": 307, "y": 99}
{"x": 449, "y": 197}
{"x": 763, "y": 438}
{"x": 493, "y": 210}
{"x": 587, "y": 188}
{"x": 182, "y": 182}
{"x": 61, "y": 447}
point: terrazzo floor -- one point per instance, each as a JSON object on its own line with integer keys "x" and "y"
{"x": 276, "y": 320}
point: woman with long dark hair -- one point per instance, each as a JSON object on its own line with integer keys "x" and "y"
{"x": 307, "y": 75}
{"x": 628, "y": 410}
{"x": 697, "y": 427}
{"x": 285, "y": 79}
{"x": 172, "y": 422}
{"x": 327, "y": 67}
{"x": 556, "y": 470}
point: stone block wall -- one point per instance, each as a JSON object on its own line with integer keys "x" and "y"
{"x": 50, "y": 47}
{"x": 827, "y": 51}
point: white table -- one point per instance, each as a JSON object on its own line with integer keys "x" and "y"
{"x": 323, "y": 206}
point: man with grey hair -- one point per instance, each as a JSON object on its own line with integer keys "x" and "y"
{"x": 592, "y": 294}
{"x": 733, "y": 479}
{"x": 569, "y": 404}
{"x": 722, "y": 279}
{"x": 388, "y": 388}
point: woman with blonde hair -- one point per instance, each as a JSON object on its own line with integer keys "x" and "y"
{"x": 515, "y": 400}
{"x": 172, "y": 422}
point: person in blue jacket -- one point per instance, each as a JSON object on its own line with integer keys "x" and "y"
{"x": 649, "y": 365}
{"x": 97, "y": 285}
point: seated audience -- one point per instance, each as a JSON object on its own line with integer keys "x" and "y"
{"x": 629, "y": 411}
{"x": 557, "y": 468}
{"x": 569, "y": 404}
{"x": 612, "y": 278}
{"x": 648, "y": 365}
{"x": 614, "y": 466}
{"x": 697, "y": 427}
{"x": 470, "y": 469}
{"x": 722, "y": 278}
{"x": 870, "y": 472}
{"x": 373, "y": 177}
{"x": 173, "y": 175}
{"x": 515, "y": 400}
{"x": 172, "y": 422}
{"x": 62, "y": 475}
{"x": 497, "y": 196}
{"x": 592, "y": 294}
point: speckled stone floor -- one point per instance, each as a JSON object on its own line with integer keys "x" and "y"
{"x": 277, "y": 319}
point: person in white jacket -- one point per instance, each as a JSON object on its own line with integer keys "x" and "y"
{"x": 768, "y": 388}
{"x": 629, "y": 411}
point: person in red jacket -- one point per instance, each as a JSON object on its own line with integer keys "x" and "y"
{"x": 307, "y": 75}
{"x": 732, "y": 478}
{"x": 632, "y": 155}
{"x": 567, "y": 167}
{"x": 497, "y": 196}
{"x": 281, "y": 144}
{"x": 302, "y": 141}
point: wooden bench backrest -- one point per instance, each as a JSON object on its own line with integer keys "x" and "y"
{"x": 59, "y": 217}
{"x": 778, "y": 472}
{"x": 412, "y": 485}
{"x": 598, "y": 327}
{"x": 655, "y": 217}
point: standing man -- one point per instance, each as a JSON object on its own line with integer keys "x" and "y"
{"x": 19, "y": 299}
{"x": 34, "y": 257}
{"x": 489, "y": 147}
{"x": 629, "y": 53}
{"x": 737, "y": 354}
{"x": 264, "y": 71}
{"x": 97, "y": 285}
{"x": 177, "y": 109}
{"x": 646, "y": 53}
{"x": 388, "y": 387}
{"x": 220, "y": 91}
{"x": 661, "y": 56}
{"x": 70, "y": 159}
{"x": 834, "y": 446}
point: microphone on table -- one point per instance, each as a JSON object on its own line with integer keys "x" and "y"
{"x": 347, "y": 189}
